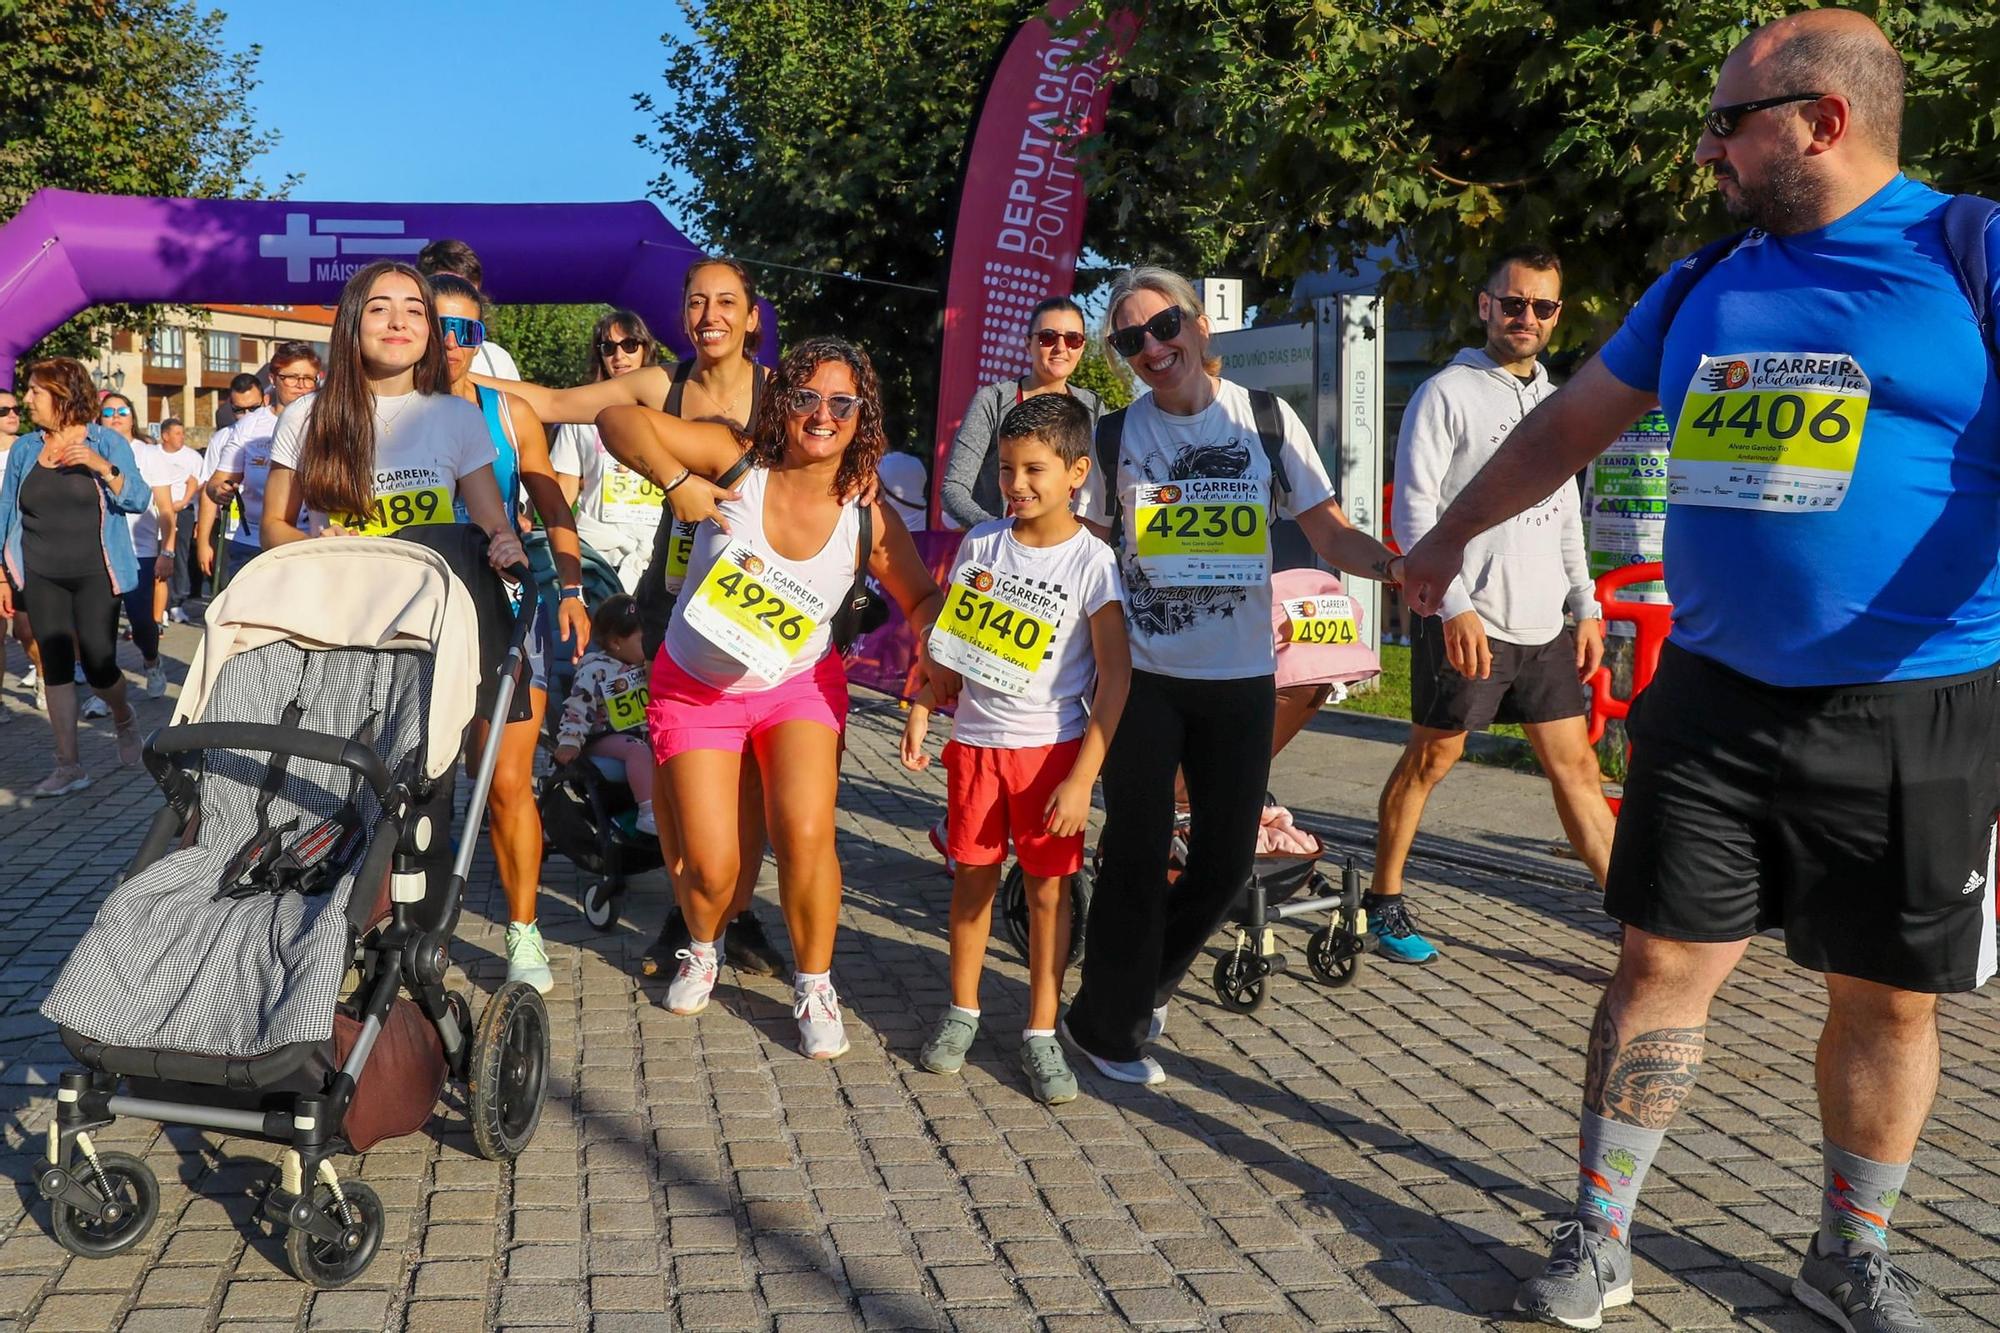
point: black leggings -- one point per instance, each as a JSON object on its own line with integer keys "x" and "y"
{"x": 1144, "y": 935}
{"x": 75, "y": 620}
{"x": 139, "y": 612}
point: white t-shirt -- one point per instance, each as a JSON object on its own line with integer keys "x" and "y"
{"x": 1213, "y": 631}
{"x": 1067, "y": 583}
{"x": 175, "y": 471}
{"x": 423, "y": 444}
{"x": 494, "y": 361}
{"x": 246, "y": 448}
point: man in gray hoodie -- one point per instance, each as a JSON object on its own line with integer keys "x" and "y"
{"x": 1500, "y": 650}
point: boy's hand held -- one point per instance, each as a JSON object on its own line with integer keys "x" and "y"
{"x": 1069, "y": 809}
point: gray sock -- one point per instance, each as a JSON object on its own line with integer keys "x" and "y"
{"x": 1611, "y": 1162}
{"x": 1855, "y": 1204}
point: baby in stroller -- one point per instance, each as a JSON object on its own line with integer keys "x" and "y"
{"x": 308, "y": 778}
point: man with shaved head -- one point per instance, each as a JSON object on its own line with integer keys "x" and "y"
{"x": 1817, "y": 751}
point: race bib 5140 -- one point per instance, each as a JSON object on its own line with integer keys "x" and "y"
{"x": 630, "y": 498}
{"x": 1202, "y": 530}
{"x": 625, "y": 705}
{"x": 1321, "y": 620}
{"x": 997, "y": 629}
{"x": 396, "y": 510}
{"x": 1776, "y": 431}
{"x": 754, "y": 609}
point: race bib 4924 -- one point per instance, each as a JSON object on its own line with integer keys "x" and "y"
{"x": 1202, "y": 530}
{"x": 1777, "y": 431}
{"x": 1327, "y": 620}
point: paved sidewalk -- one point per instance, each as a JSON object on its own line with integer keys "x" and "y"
{"x": 1382, "y": 1157}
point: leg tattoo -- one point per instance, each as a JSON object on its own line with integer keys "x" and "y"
{"x": 1597, "y": 1063}
{"x": 1645, "y": 1080}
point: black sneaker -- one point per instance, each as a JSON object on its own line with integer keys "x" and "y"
{"x": 674, "y": 937}
{"x": 749, "y": 949}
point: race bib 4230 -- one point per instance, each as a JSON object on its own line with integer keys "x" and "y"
{"x": 1202, "y": 530}
{"x": 754, "y": 609}
{"x": 997, "y": 629}
{"x": 396, "y": 510}
{"x": 1776, "y": 431}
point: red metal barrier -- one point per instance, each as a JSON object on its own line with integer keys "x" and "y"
{"x": 1654, "y": 621}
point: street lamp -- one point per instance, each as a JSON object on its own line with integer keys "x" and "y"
{"x": 118, "y": 380}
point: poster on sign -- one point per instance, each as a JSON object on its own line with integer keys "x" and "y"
{"x": 1626, "y": 504}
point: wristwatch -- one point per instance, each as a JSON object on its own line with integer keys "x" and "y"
{"x": 572, "y": 594}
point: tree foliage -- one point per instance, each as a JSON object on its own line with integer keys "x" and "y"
{"x": 122, "y": 97}
{"x": 1104, "y": 377}
{"x": 1319, "y": 132}
{"x": 550, "y": 343}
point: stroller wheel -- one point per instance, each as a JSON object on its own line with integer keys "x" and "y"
{"x": 121, "y": 1180}
{"x": 325, "y": 1263}
{"x": 1014, "y": 910}
{"x": 1334, "y": 956}
{"x": 600, "y": 905}
{"x": 510, "y": 1072}
{"x": 1239, "y": 981}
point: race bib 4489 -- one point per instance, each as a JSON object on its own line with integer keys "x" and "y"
{"x": 1775, "y": 431}
{"x": 396, "y": 510}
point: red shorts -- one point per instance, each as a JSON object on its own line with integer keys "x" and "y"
{"x": 992, "y": 794}
{"x": 686, "y": 714}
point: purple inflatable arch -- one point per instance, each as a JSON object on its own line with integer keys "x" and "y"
{"x": 66, "y": 251}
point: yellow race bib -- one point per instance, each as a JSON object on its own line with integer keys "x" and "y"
{"x": 1778, "y": 431}
{"x": 996, "y": 630}
{"x": 1321, "y": 620}
{"x": 680, "y": 545}
{"x": 625, "y": 706}
{"x": 396, "y": 510}
{"x": 754, "y": 609}
{"x": 1202, "y": 530}
{"x": 629, "y": 497}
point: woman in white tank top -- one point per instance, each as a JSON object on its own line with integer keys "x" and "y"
{"x": 748, "y": 662}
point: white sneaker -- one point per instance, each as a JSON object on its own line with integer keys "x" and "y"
{"x": 527, "y": 958}
{"x": 156, "y": 682}
{"x": 822, "y": 1035}
{"x": 1158, "y": 1026}
{"x": 32, "y": 680}
{"x": 95, "y": 707}
{"x": 1144, "y": 1071}
{"x": 41, "y": 698}
{"x": 646, "y": 823}
{"x": 178, "y": 615}
{"x": 695, "y": 982}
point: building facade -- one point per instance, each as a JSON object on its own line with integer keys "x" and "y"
{"x": 184, "y": 367}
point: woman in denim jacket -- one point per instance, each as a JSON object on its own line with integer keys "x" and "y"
{"x": 68, "y": 486}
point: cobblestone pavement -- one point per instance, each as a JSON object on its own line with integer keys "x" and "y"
{"x": 1385, "y": 1156}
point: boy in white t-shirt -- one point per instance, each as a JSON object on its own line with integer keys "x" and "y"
{"x": 1035, "y": 610}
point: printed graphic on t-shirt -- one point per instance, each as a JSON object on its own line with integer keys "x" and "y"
{"x": 999, "y": 629}
{"x": 1164, "y": 609}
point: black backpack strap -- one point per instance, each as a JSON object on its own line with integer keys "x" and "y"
{"x": 1110, "y": 436}
{"x": 675, "y": 391}
{"x": 846, "y": 625}
{"x": 1270, "y": 419}
{"x": 737, "y": 470}
{"x": 1967, "y": 218}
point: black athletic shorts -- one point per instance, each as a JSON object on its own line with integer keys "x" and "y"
{"x": 1859, "y": 819}
{"x": 1531, "y": 683}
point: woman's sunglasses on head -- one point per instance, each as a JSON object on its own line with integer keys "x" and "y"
{"x": 840, "y": 406}
{"x": 469, "y": 332}
{"x": 1131, "y": 340}
{"x": 629, "y": 346}
{"x": 1070, "y": 338}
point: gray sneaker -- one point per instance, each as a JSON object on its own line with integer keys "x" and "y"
{"x": 945, "y": 1052}
{"x": 1862, "y": 1293}
{"x": 1049, "y": 1076}
{"x": 1587, "y": 1273}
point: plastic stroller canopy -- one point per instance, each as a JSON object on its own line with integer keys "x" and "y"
{"x": 306, "y": 592}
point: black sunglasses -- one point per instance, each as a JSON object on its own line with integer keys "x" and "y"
{"x": 9, "y": 410}
{"x": 1131, "y": 340}
{"x": 1721, "y": 121}
{"x": 625, "y": 345}
{"x": 1513, "y": 307}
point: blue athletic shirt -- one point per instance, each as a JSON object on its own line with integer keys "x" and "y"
{"x": 1902, "y": 580}
{"x": 506, "y": 463}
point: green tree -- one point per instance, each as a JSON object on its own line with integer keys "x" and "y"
{"x": 550, "y": 343}
{"x": 1317, "y": 132}
{"x": 122, "y": 97}
{"x": 1107, "y": 379}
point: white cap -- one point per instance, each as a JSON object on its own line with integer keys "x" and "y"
{"x": 905, "y": 484}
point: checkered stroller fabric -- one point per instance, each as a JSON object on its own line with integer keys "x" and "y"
{"x": 167, "y": 965}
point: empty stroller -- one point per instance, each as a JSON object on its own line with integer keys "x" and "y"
{"x": 308, "y": 777}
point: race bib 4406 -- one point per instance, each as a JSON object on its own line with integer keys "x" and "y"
{"x": 1202, "y": 530}
{"x": 396, "y": 510}
{"x": 754, "y": 609}
{"x": 998, "y": 629}
{"x": 1775, "y": 431}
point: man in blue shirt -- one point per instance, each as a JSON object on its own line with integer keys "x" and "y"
{"x": 1817, "y": 752}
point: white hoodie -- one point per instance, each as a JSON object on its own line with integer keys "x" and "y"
{"x": 1520, "y": 575}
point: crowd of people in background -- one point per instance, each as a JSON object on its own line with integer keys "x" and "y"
{"x": 1825, "y": 764}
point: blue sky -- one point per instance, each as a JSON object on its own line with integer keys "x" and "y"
{"x": 508, "y": 101}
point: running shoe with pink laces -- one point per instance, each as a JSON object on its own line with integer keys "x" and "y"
{"x": 822, "y": 1035}
{"x": 695, "y": 982}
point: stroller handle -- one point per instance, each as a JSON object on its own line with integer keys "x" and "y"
{"x": 315, "y": 745}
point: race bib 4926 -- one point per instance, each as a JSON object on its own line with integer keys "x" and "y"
{"x": 1777, "y": 431}
{"x": 997, "y": 629}
{"x": 754, "y": 609}
{"x": 1202, "y": 530}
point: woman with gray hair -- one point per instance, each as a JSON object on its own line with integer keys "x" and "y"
{"x": 1202, "y": 468}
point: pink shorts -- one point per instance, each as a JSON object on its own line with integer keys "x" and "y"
{"x": 686, "y": 714}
